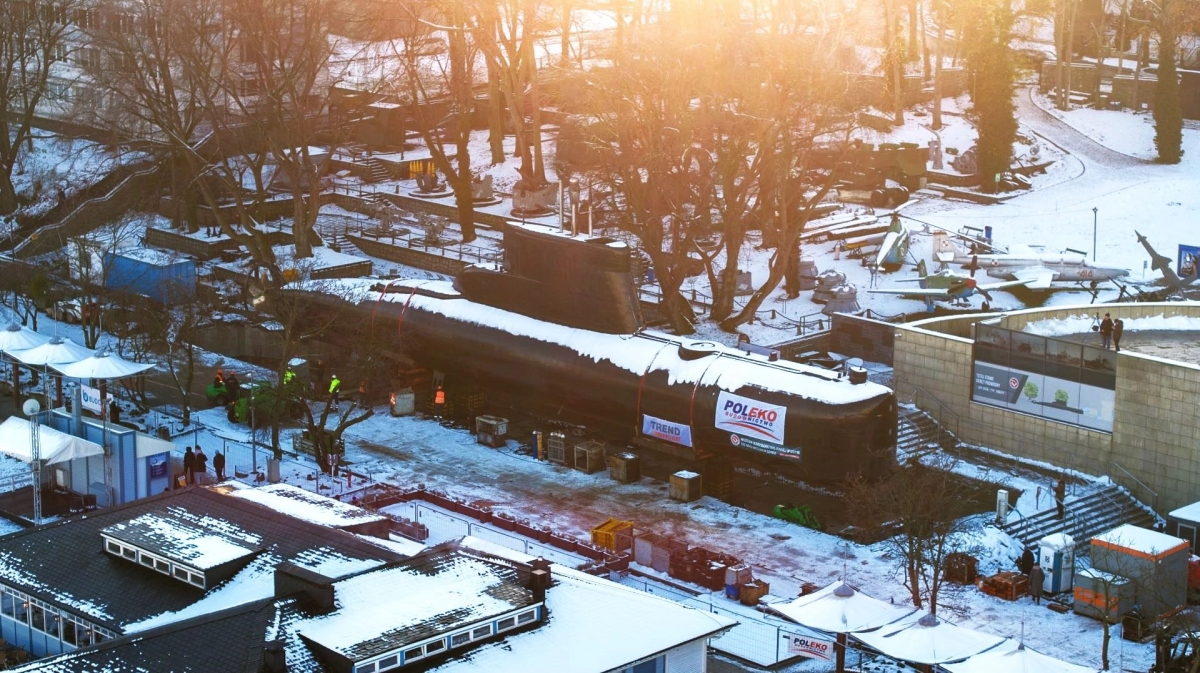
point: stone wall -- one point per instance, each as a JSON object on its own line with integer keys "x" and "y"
{"x": 1083, "y": 77}
{"x": 861, "y": 337}
{"x": 1123, "y": 91}
{"x": 1156, "y": 426}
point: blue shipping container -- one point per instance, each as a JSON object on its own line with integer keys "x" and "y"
{"x": 165, "y": 282}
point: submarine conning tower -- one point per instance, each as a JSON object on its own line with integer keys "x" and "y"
{"x": 549, "y": 274}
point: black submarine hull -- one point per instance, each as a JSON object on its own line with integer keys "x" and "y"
{"x": 701, "y": 396}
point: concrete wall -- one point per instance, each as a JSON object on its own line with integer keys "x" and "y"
{"x": 1156, "y": 428}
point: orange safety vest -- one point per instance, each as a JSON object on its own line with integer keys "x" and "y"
{"x": 439, "y": 397}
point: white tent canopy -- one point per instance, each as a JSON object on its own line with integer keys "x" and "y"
{"x": 56, "y": 351}
{"x": 19, "y": 338}
{"x": 925, "y": 639}
{"x": 102, "y": 365}
{"x": 1013, "y": 657}
{"x": 55, "y": 446}
{"x": 839, "y": 608}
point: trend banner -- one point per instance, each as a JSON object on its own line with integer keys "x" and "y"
{"x": 667, "y": 431}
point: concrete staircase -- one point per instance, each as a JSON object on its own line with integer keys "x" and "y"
{"x": 918, "y": 434}
{"x": 1099, "y": 509}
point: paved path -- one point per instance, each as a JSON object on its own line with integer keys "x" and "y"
{"x": 1091, "y": 153}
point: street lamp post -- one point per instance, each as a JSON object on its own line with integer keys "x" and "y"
{"x": 1095, "y": 212}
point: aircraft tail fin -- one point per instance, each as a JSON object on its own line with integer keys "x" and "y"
{"x": 944, "y": 247}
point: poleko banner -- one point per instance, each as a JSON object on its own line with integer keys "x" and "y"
{"x": 751, "y": 418}
{"x": 676, "y": 433}
{"x": 91, "y": 398}
{"x": 813, "y": 648}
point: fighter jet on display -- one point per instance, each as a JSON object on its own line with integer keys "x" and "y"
{"x": 1037, "y": 269}
{"x": 894, "y": 248}
{"x": 1162, "y": 263}
{"x": 946, "y": 284}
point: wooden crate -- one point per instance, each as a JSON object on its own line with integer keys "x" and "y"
{"x": 625, "y": 468}
{"x": 686, "y": 486}
{"x": 1007, "y": 585}
{"x": 589, "y": 457}
{"x": 613, "y": 535}
{"x": 961, "y": 568}
{"x": 643, "y": 548}
{"x": 750, "y": 592}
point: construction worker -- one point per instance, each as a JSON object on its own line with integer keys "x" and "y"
{"x": 439, "y": 402}
{"x": 219, "y": 379}
{"x": 335, "y": 387}
{"x": 288, "y": 376}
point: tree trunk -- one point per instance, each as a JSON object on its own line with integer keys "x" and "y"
{"x": 564, "y": 58}
{"x": 8, "y": 195}
{"x": 1168, "y": 110}
{"x": 495, "y": 116}
{"x": 926, "y": 70}
{"x": 937, "y": 70}
{"x": 1104, "y": 643}
{"x": 912, "y": 29}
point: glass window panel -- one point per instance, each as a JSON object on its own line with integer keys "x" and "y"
{"x": 506, "y": 623}
{"x": 22, "y": 609}
{"x": 526, "y": 617}
{"x": 482, "y": 632}
{"x": 114, "y": 547}
{"x": 435, "y": 646}
{"x": 52, "y": 622}
{"x": 389, "y": 662}
{"x": 6, "y": 603}
{"x": 414, "y": 653}
{"x": 68, "y": 632}
{"x": 365, "y": 668}
{"x": 37, "y": 614}
{"x": 460, "y": 639}
{"x": 181, "y": 574}
{"x": 83, "y": 634}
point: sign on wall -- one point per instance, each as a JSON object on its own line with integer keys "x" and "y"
{"x": 677, "y": 433}
{"x": 807, "y": 646}
{"x": 750, "y": 418}
{"x": 1189, "y": 260}
{"x": 91, "y": 398}
{"x": 158, "y": 466}
{"x": 1055, "y": 379}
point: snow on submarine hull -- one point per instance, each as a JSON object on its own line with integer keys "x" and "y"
{"x": 802, "y": 420}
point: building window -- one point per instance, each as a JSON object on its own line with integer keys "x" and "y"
{"x": 197, "y": 580}
{"x": 460, "y": 639}
{"x": 181, "y": 574}
{"x": 413, "y": 654}
{"x": 388, "y": 663}
{"x": 147, "y": 560}
{"x": 113, "y": 548}
{"x": 365, "y": 668}
{"x": 506, "y": 623}
{"x": 435, "y": 646}
{"x": 125, "y": 551}
{"x": 527, "y": 616}
{"x": 21, "y": 606}
{"x": 6, "y": 603}
{"x": 162, "y": 566}
{"x": 481, "y": 632}
{"x": 655, "y": 665}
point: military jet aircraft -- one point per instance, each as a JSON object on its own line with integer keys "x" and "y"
{"x": 946, "y": 284}
{"x": 1037, "y": 269}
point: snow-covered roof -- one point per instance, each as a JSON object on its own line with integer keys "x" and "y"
{"x": 593, "y": 620}
{"x": 1110, "y": 578}
{"x": 1014, "y": 657}
{"x": 186, "y": 542}
{"x": 308, "y": 506}
{"x": 1187, "y": 512}
{"x": 839, "y": 608}
{"x": 1057, "y": 541}
{"x": 1141, "y": 540}
{"x": 439, "y": 593}
{"x": 643, "y": 353}
{"x": 922, "y": 638}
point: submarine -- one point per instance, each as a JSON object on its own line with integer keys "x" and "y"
{"x": 558, "y": 327}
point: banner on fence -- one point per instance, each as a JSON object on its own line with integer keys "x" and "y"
{"x": 807, "y": 646}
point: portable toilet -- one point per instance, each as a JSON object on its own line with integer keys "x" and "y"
{"x": 1056, "y": 555}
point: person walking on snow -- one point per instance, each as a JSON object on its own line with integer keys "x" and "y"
{"x": 1060, "y": 496}
{"x": 1026, "y": 562}
{"x": 189, "y": 465}
{"x": 1106, "y": 330}
{"x": 1118, "y": 330}
{"x": 219, "y": 466}
{"x": 335, "y": 387}
{"x": 1036, "y": 577}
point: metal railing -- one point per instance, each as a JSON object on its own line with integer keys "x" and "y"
{"x": 1141, "y": 484}
{"x": 15, "y": 482}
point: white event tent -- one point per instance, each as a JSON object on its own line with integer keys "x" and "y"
{"x": 19, "y": 338}
{"x": 54, "y": 446}
{"x": 102, "y": 365}
{"x": 1014, "y": 657}
{"x": 56, "y": 351}
{"x": 841, "y": 609}
{"x": 926, "y": 639}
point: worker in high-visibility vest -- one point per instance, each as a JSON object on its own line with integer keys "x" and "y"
{"x": 439, "y": 402}
{"x": 335, "y": 387}
{"x": 288, "y": 376}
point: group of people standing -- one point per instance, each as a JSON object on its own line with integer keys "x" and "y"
{"x": 196, "y": 462}
{"x": 1028, "y": 565}
{"x": 1111, "y": 331}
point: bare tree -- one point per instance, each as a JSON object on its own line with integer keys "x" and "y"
{"x": 33, "y": 35}
{"x": 915, "y": 510}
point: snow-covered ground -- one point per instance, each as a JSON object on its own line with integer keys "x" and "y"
{"x": 61, "y": 163}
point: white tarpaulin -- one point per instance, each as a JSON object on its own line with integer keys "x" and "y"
{"x": 56, "y": 447}
{"x": 56, "y": 351}
{"x": 18, "y": 338}
{"x": 839, "y": 608}
{"x": 925, "y": 639}
{"x": 101, "y": 366}
{"x": 1012, "y": 657}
